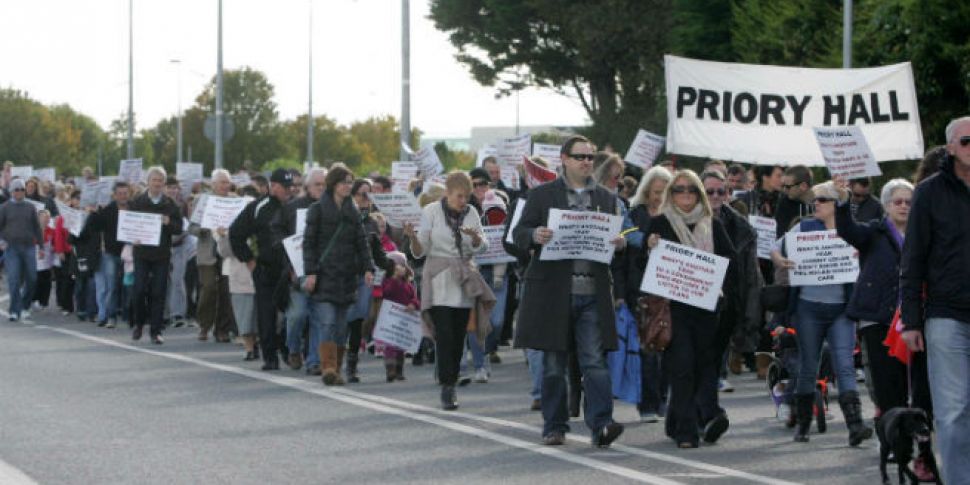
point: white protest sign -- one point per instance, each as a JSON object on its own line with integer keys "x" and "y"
{"x": 301, "y": 220}
{"x": 293, "y": 246}
{"x": 188, "y": 171}
{"x": 402, "y": 173}
{"x": 510, "y": 176}
{"x": 581, "y": 235}
{"x": 221, "y": 211}
{"x": 46, "y": 174}
{"x": 73, "y": 219}
{"x": 549, "y": 153}
{"x": 240, "y": 179}
{"x": 684, "y": 274}
{"x": 509, "y": 151}
{"x": 139, "y": 227}
{"x": 398, "y": 327}
{"x": 95, "y": 193}
{"x": 519, "y": 207}
{"x": 23, "y": 172}
{"x": 130, "y": 171}
{"x": 426, "y": 159}
{"x": 199, "y": 209}
{"x": 398, "y": 208}
{"x": 496, "y": 252}
{"x": 764, "y": 114}
{"x": 104, "y": 195}
{"x": 645, "y": 149}
{"x": 767, "y": 229}
{"x": 821, "y": 258}
{"x": 38, "y": 206}
{"x": 846, "y": 152}
{"x": 483, "y": 153}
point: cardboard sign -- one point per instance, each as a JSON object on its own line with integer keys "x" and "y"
{"x": 402, "y": 173}
{"x": 398, "y": 327}
{"x": 188, "y": 171}
{"x": 426, "y": 159}
{"x": 485, "y": 152}
{"x": 22, "y": 172}
{"x": 96, "y": 193}
{"x": 509, "y": 151}
{"x": 496, "y": 252}
{"x": 510, "y": 176}
{"x": 139, "y": 228}
{"x": 221, "y": 211}
{"x": 199, "y": 209}
{"x": 398, "y": 209}
{"x": 846, "y": 152}
{"x": 767, "y": 229}
{"x": 74, "y": 219}
{"x": 549, "y": 153}
{"x": 581, "y": 235}
{"x": 821, "y": 258}
{"x": 240, "y": 179}
{"x": 293, "y": 246}
{"x": 645, "y": 149}
{"x": 46, "y": 174}
{"x": 130, "y": 171}
{"x": 684, "y": 274}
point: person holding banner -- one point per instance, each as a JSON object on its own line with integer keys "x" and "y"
{"x": 266, "y": 261}
{"x": 20, "y": 229}
{"x": 335, "y": 256}
{"x": 107, "y": 280}
{"x": 214, "y": 306}
{"x": 454, "y": 296}
{"x": 691, "y": 360}
{"x": 152, "y": 262}
{"x": 569, "y": 303}
{"x": 818, "y": 314}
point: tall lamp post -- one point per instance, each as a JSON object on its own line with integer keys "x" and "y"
{"x": 219, "y": 114}
{"x": 131, "y": 83}
{"x": 405, "y": 77}
{"x": 309, "y": 116}
{"x": 178, "y": 154}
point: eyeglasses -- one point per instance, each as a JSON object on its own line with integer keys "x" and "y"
{"x": 822, "y": 200}
{"x": 788, "y": 186}
{"x": 680, "y": 189}
{"x": 964, "y": 141}
{"x": 480, "y": 183}
{"x": 582, "y": 156}
{"x": 899, "y": 202}
{"x": 18, "y": 190}
{"x": 720, "y": 192}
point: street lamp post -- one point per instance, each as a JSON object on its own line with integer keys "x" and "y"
{"x": 846, "y": 34}
{"x": 131, "y": 83}
{"x": 309, "y": 116}
{"x": 218, "y": 157}
{"x": 178, "y": 154}
{"x": 405, "y": 77}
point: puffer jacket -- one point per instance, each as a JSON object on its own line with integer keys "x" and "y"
{"x": 349, "y": 257}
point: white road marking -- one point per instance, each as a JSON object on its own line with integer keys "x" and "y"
{"x": 9, "y": 475}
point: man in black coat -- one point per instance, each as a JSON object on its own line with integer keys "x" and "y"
{"x": 569, "y": 300}
{"x": 266, "y": 260}
{"x": 152, "y": 262}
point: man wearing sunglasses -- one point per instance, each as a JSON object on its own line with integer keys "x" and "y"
{"x": 862, "y": 205}
{"x": 796, "y": 199}
{"x": 935, "y": 287}
{"x": 20, "y": 229}
{"x": 569, "y": 304}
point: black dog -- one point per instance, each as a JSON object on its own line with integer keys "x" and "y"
{"x": 897, "y": 429}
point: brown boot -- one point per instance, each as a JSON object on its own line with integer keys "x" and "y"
{"x": 399, "y": 367}
{"x": 762, "y": 361}
{"x": 390, "y": 370}
{"x": 735, "y": 361}
{"x": 341, "y": 350}
{"x": 328, "y": 362}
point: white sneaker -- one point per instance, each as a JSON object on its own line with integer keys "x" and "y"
{"x": 783, "y": 413}
{"x": 481, "y": 375}
{"x": 860, "y": 375}
{"x": 37, "y": 307}
{"x": 724, "y": 386}
{"x": 25, "y": 314}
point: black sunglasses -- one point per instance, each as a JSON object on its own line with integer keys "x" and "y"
{"x": 480, "y": 183}
{"x": 720, "y": 192}
{"x": 582, "y": 156}
{"x": 964, "y": 141}
{"x": 789, "y": 186}
{"x": 822, "y": 200}
{"x": 680, "y": 189}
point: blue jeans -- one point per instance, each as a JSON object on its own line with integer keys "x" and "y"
{"x": 534, "y": 358}
{"x": 106, "y": 284}
{"x": 497, "y": 320}
{"x": 330, "y": 320}
{"x": 598, "y": 411}
{"x": 21, "y": 264}
{"x": 948, "y": 355}
{"x": 296, "y": 321}
{"x": 816, "y": 323}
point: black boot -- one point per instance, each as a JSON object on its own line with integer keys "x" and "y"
{"x": 449, "y": 399}
{"x": 352, "y": 359}
{"x": 803, "y": 416}
{"x": 852, "y": 410}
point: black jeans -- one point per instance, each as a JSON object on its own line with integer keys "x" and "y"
{"x": 266, "y": 315}
{"x": 65, "y": 285}
{"x": 42, "y": 292}
{"x": 691, "y": 365}
{"x": 889, "y": 380}
{"x": 450, "y": 328}
{"x": 151, "y": 286}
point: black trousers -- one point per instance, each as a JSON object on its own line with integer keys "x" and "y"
{"x": 65, "y": 285}
{"x": 889, "y": 380}
{"x": 450, "y": 327}
{"x": 267, "y": 317}
{"x": 42, "y": 292}
{"x": 151, "y": 286}
{"x": 690, "y": 363}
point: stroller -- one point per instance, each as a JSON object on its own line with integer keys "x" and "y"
{"x": 783, "y": 374}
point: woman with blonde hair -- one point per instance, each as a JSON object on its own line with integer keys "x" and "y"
{"x": 685, "y": 217}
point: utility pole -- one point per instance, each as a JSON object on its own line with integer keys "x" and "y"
{"x": 309, "y": 116}
{"x": 846, "y": 34}
{"x": 178, "y": 154}
{"x": 131, "y": 83}
{"x": 405, "y": 77}
{"x": 219, "y": 114}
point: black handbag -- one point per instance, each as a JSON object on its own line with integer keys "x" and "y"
{"x": 774, "y": 298}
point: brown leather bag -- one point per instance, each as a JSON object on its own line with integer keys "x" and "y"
{"x": 654, "y": 322}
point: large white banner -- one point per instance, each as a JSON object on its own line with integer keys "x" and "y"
{"x": 765, "y": 114}
{"x": 581, "y": 235}
{"x": 821, "y": 258}
{"x": 684, "y": 274}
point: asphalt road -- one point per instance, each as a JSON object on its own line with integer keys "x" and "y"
{"x": 84, "y": 405}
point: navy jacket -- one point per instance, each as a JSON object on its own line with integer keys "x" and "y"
{"x": 876, "y": 292}
{"x": 937, "y": 250}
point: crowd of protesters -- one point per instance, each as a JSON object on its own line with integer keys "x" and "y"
{"x": 909, "y": 310}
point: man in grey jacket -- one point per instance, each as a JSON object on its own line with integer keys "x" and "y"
{"x": 20, "y": 230}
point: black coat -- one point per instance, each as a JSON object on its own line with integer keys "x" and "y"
{"x": 544, "y": 311}
{"x": 876, "y": 292}
{"x": 339, "y": 272}
{"x": 748, "y": 311}
{"x": 105, "y": 222}
{"x": 166, "y": 207}
{"x": 256, "y": 221}
{"x": 937, "y": 250}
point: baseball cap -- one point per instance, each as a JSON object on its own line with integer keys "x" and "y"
{"x": 282, "y": 176}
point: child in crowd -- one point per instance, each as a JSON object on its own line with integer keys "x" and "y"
{"x": 45, "y": 261}
{"x": 127, "y": 281}
{"x": 399, "y": 288}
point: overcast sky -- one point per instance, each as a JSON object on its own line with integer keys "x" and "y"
{"x": 76, "y": 52}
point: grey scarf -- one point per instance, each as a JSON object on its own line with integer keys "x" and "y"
{"x": 702, "y": 237}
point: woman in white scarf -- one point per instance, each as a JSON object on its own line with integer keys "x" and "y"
{"x": 690, "y": 362}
